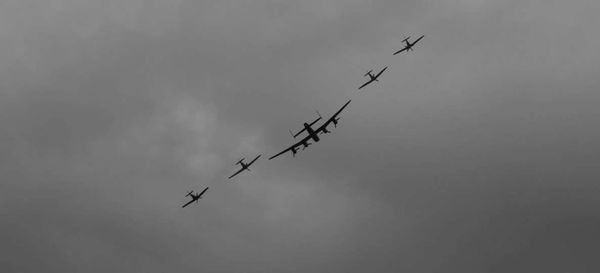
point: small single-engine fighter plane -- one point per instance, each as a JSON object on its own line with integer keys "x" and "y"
{"x": 195, "y": 197}
{"x": 313, "y": 133}
{"x": 244, "y": 166}
{"x": 409, "y": 45}
{"x": 373, "y": 78}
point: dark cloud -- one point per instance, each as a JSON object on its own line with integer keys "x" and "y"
{"x": 474, "y": 153}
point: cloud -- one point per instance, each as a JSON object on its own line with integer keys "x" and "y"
{"x": 474, "y": 153}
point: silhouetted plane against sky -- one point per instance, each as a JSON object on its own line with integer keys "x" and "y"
{"x": 373, "y": 78}
{"x": 304, "y": 129}
{"x": 409, "y": 45}
{"x": 195, "y": 197}
{"x": 313, "y": 133}
{"x": 244, "y": 166}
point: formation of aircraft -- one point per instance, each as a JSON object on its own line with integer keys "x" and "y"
{"x": 312, "y": 134}
{"x": 409, "y": 45}
{"x": 373, "y": 78}
{"x": 195, "y": 197}
{"x": 244, "y": 166}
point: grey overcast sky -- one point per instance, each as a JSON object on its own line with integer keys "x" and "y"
{"x": 476, "y": 152}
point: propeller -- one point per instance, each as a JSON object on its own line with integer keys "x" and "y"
{"x": 306, "y": 144}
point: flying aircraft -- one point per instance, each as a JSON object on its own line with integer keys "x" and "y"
{"x": 244, "y": 165}
{"x": 409, "y": 45}
{"x": 373, "y": 78}
{"x": 309, "y": 124}
{"x": 313, "y": 133}
{"x": 195, "y": 197}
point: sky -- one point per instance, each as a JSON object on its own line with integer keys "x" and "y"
{"x": 476, "y": 152}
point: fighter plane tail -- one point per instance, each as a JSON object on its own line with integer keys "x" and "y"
{"x": 368, "y": 73}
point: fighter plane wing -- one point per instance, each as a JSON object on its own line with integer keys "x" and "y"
{"x": 404, "y": 49}
{"x": 418, "y": 39}
{"x": 293, "y": 147}
{"x": 241, "y": 170}
{"x": 380, "y": 72}
{"x": 370, "y": 81}
{"x": 191, "y": 201}
{"x": 203, "y": 191}
{"x": 253, "y": 160}
{"x": 332, "y": 118}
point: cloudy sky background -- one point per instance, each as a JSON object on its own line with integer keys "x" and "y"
{"x": 477, "y": 152}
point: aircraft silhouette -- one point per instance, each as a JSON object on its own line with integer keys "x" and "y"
{"x": 309, "y": 124}
{"x": 313, "y": 133}
{"x": 409, "y": 45}
{"x": 373, "y": 78}
{"x": 195, "y": 197}
{"x": 244, "y": 166}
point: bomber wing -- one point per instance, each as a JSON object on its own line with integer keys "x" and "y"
{"x": 291, "y": 148}
{"x": 304, "y": 129}
{"x": 332, "y": 118}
